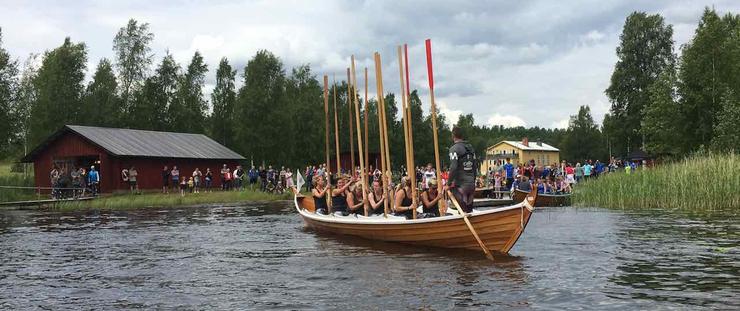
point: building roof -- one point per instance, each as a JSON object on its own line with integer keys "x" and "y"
{"x": 141, "y": 143}
{"x": 533, "y": 146}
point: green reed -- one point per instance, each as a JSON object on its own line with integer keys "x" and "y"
{"x": 9, "y": 178}
{"x": 702, "y": 182}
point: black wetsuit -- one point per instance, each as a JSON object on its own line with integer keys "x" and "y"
{"x": 463, "y": 168}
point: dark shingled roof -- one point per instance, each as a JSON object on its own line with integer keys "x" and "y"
{"x": 140, "y": 143}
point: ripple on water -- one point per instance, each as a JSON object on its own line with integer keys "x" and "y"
{"x": 261, "y": 257}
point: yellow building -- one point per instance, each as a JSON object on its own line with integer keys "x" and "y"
{"x": 520, "y": 152}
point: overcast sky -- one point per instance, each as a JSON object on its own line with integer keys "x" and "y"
{"x": 507, "y": 63}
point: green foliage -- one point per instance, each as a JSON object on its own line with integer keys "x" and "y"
{"x": 709, "y": 65}
{"x": 700, "y": 183}
{"x": 187, "y": 112}
{"x": 8, "y": 89}
{"x": 661, "y": 121}
{"x": 223, "y": 100}
{"x": 726, "y": 129}
{"x": 59, "y": 90}
{"x": 645, "y": 50}
{"x": 583, "y": 140}
{"x": 151, "y": 105}
{"x": 101, "y": 105}
{"x": 306, "y": 111}
{"x": 10, "y": 178}
{"x": 264, "y": 129}
{"x": 133, "y": 57}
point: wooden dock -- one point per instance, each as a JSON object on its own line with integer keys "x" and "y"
{"x": 43, "y": 202}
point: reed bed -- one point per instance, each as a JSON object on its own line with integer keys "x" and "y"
{"x": 13, "y": 179}
{"x": 701, "y": 183}
{"x": 149, "y": 200}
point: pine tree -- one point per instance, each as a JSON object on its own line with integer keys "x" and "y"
{"x": 223, "y": 99}
{"x": 59, "y": 90}
{"x": 102, "y": 106}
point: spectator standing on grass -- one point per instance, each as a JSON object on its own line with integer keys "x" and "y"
{"x": 208, "y": 179}
{"x": 263, "y": 179}
{"x": 165, "y": 179}
{"x": 197, "y": 176}
{"x": 587, "y": 170}
{"x": 183, "y": 185}
{"x": 175, "y": 174}
{"x": 289, "y": 179}
{"x": 579, "y": 172}
{"x": 93, "y": 179}
{"x": 253, "y": 175}
{"x": 133, "y": 184}
{"x": 238, "y": 177}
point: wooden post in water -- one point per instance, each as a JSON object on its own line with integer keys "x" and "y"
{"x": 410, "y": 171}
{"x": 381, "y": 133}
{"x": 351, "y": 125}
{"x": 430, "y": 77}
{"x": 363, "y": 176}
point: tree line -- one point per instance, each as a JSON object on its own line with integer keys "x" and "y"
{"x": 276, "y": 116}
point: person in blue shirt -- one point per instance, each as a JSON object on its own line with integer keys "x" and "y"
{"x": 509, "y": 168}
{"x": 93, "y": 179}
{"x": 587, "y": 170}
{"x": 599, "y": 168}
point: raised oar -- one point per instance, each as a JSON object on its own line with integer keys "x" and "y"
{"x": 407, "y": 137}
{"x": 381, "y": 132}
{"x": 351, "y": 130}
{"x": 414, "y": 188}
{"x": 430, "y": 76}
{"x": 326, "y": 132}
{"x": 336, "y": 140}
{"x": 470, "y": 226}
{"x": 363, "y": 176}
{"x": 367, "y": 139}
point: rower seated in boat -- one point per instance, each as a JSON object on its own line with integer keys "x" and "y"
{"x": 319, "y": 195}
{"x": 404, "y": 203}
{"x": 339, "y": 195}
{"x": 430, "y": 198}
{"x": 376, "y": 199}
{"x": 524, "y": 184}
{"x": 355, "y": 200}
{"x": 541, "y": 186}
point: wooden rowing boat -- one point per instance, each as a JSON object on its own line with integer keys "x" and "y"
{"x": 498, "y": 228}
{"x": 543, "y": 200}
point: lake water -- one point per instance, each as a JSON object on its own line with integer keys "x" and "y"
{"x": 260, "y": 256}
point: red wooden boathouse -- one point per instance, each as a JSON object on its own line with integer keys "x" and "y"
{"x": 111, "y": 150}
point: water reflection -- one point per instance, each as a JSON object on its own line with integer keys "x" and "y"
{"x": 261, "y": 257}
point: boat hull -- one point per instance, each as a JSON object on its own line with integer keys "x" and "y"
{"x": 544, "y": 200}
{"x": 499, "y": 228}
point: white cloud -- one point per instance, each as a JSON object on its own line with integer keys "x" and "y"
{"x": 505, "y": 120}
{"x": 562, "y": 124}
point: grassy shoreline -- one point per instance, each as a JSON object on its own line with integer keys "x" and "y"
{"x": 158, "y": 200}
{"x": 698, "y": 183}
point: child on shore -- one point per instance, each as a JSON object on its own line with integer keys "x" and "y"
{"x": 191, "y": 184}
{"x": 183, "y": 186}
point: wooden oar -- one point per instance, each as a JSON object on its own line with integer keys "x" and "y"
{"x": 381, "y": 132}
{"x": 363, "y": 176}
{"x": 351, "y": 123}
{"x": 430, "y": 77}
{"x": 336, "y": 141}
{"x": 470, "y": 226}
{"x": 410, "y": 170}
{"x": 367, "y": 139}
{"x": 326, "y": 132}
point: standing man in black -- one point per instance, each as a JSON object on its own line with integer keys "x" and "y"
{"x": 463, "y": 168}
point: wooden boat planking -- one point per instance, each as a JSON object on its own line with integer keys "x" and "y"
{"x": 498, "y": 228}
